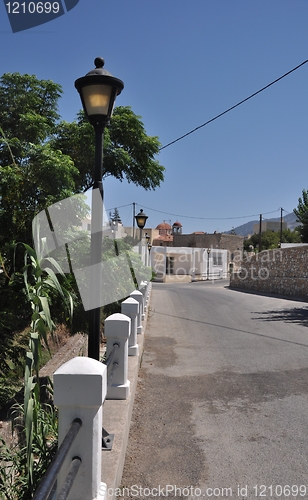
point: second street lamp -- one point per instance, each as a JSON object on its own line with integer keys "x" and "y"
{"x": 149, "y": 248}
{"x": 147, "y": 240}
{"x": 208, "y": 263}
{"x": 141, "y": 219}
{"x": 98, "y": 90}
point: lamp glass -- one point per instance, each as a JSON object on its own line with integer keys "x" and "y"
{"x": 141, "y": 221}
{"x": 96, "y": 99}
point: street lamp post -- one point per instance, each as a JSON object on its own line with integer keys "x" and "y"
{"x": 147, "y": 240}
{"x": 208, "y": 263}
{"x": 149, "y": 248}
{"x": 141, "y": 219}
{"x": 98, "y": 90}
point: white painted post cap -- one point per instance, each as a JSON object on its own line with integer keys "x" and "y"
{"x": 80, "y": 382}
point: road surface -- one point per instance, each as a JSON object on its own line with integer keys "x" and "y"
{"x": 221, "y": 409}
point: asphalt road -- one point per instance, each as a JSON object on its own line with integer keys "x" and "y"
{"x": 221, "y": 409}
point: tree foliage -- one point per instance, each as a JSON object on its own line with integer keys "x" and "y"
{"x": 128, "y": 151}
{"x": 271, "y": 239}
{"x": 28, "y": 107}
{"x": 115, "y": 216}
{"x": 301, "y": 213}
{"x": 33, "y": 175}
{"x": 44, "y": 160}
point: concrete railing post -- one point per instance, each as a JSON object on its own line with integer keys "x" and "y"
{"x": 130, "y": 307}
{"x": 79, "y": 391}
{"x": 149, "y": 286}
{"x": 139, "y": 297}
{"x": 117, "y": 330}
{"x": 143, "y": 289}
{"x": 146, "y": 295}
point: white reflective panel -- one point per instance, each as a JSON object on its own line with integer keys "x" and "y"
{"x": 97, "y": 98}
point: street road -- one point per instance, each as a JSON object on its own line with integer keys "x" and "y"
{"x": 222, "y": 399}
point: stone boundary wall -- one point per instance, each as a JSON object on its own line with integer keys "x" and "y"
{"x": 280, "y": 271}
{"x": 231, "y": 242}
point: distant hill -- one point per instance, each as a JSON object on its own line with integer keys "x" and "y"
{"x": 247, "y": 229}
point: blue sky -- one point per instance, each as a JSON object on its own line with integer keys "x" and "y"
{"x": 182, "y": 63}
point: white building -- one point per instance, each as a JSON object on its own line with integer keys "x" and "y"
{"x": 185, "y": 264}
{"x": 112, "y": 229}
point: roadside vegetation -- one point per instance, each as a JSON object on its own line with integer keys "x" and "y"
{"x": 271, "y": 239}
{"x": 44, "y": 160}
{"x": 301, "y": 212}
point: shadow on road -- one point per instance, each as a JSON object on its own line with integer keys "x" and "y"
{"x": 295, "y": 315}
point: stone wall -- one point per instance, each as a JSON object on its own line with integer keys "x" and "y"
{"x": 231, "y": 242}
{"x": 279, "y": 271}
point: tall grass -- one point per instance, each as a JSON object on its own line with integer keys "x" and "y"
{"x": 25, "y": 463}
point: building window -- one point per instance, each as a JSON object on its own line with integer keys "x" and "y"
{"x": 217, "y": 259}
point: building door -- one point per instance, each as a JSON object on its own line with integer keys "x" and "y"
{"x": 169, "y": 265}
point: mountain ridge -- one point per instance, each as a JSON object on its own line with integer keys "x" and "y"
{"x": 247, "y": 228}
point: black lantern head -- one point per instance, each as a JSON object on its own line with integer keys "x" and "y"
{"x": 98, "y": 91}
{"x": 141, "y": 219}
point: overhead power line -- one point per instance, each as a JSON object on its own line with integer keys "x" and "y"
{"x": 235, "y": 106}
{"x": 207, "y": 218}
{"x": 198, "y": 218}
{"x": 121, "y": 206}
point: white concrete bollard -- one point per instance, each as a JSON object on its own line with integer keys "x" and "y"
{"x": 139, "y": 297}
{"x": 143, "y": 289}
{"x": 130, "y": 307}
{"x": 146, "y": 296}
{"x": 149, "y": 284}
{"x": 117, "y": 330}
{"x": 80, "y": 387}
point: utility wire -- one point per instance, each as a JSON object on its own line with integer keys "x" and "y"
{"x": 122, "y": 206}
{"x": 199, "y": 218}
{"x": 233, "y": 107}
{"x": 207, "y": 218}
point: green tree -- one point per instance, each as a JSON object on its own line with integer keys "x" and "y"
{"x": 28, "y": 109}
{"x": 44, "y": 160}
{"x": 301, "y": 213}
{"x": 115, "y": 216}
{"x": 271, "y": 239}
{"x": 128, "y": 151}
{"x": 33, "y": 175}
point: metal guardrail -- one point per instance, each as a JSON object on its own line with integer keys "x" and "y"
{"x": 68, "y": 483}
{"x": 111, "y": 364}
{"x": 48, "y": 482}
